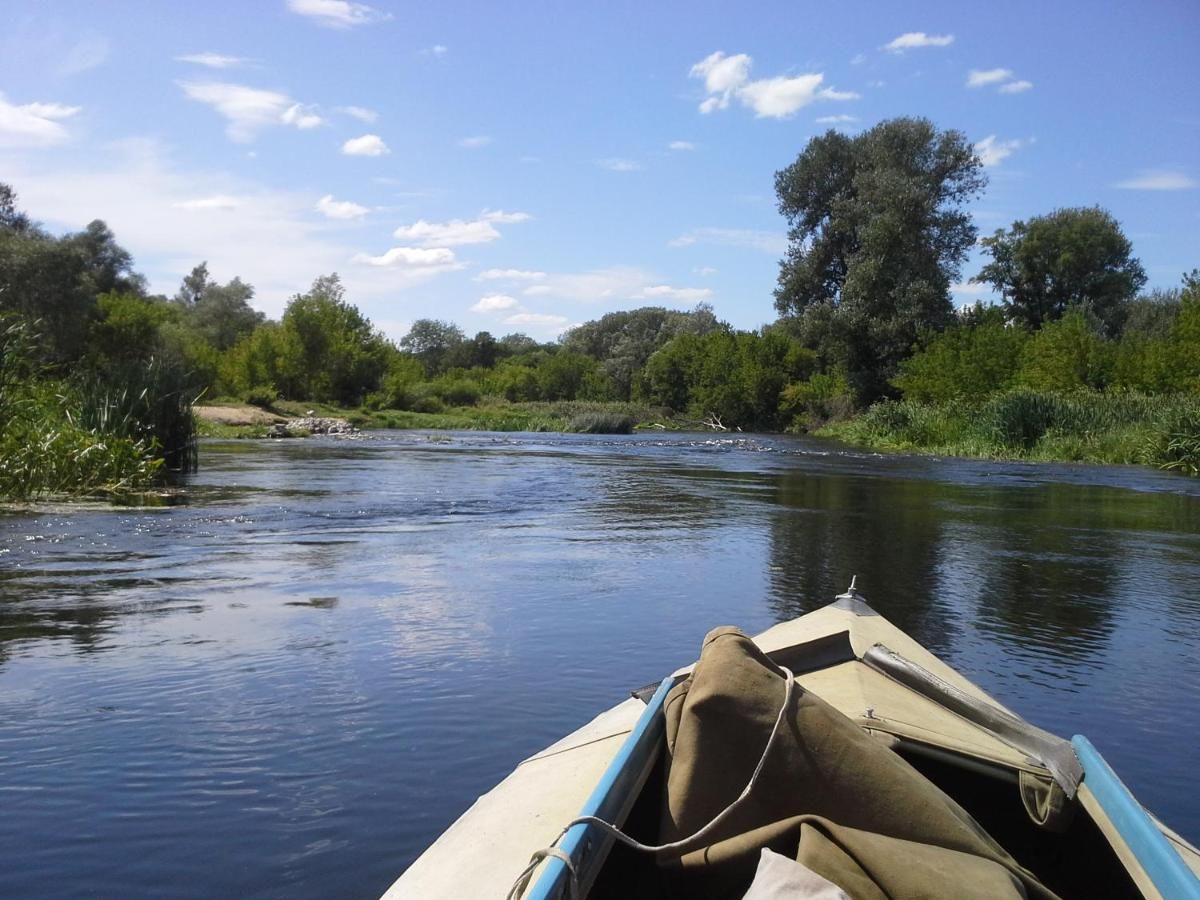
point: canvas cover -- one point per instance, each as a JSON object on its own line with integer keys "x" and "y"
{"x": 829, "y": 796}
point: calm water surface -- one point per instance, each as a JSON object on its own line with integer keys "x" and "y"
{"x": 291, "y": 685}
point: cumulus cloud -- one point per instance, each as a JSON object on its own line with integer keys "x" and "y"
{"x": 750, "y": 239}
{"x": 912, "y": 40}
{"x": 992, "y": 151}
{"x": 1002, "y": 79}
{"x": 215, "y": 202}
{"x": 1158, "y": 180}
{"x": 614, "y": 284}
{"x": 542, "y": 320}
{"x": 417, "y": 257}
{"x": 340, "y": 209}
{"x": 214, "y": 60}
{"x": 169, "y": 214}
{"x": 34, "y": 124}
{"x": 475, "y": 142}
{"x": 504, "y": 218}
{"x": 510, "y": 275}
{"x": 728, "y": 77}
{"x": 836, "y": 120}
{"x": 681, "y": 145}
{"x": 618, "y": 164}
{"x": 367, "y": 145}
{"x": 250, "y": 109}
{"x": 360, "y": 112}
{"x": 494, "y": 303}
{"x": 680, "y": 295}
{"x": 338, "y": 13}
{"x": 456, "y": 232}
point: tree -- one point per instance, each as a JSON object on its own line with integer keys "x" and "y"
{"x": 431, "y": 340}
{"x": 1070, "y": 259}
{"x": 1066, "y": 355}
{"x": 623, "y": 341}
{"x": 877, "y": 231}
{"x": 969, "y": 361}
{"x": 331, "y": 351}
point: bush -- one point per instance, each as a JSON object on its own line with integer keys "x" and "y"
{"x": 602, "y": 423}
{"x": 459, "y": 392}
{"x": 262, "y": 395}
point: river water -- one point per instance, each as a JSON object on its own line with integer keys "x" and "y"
{"x": 292, "y": 684}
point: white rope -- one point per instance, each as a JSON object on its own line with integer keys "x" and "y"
{"x": 522, "y": 881}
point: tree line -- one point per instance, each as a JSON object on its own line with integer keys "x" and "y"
{"x": 878, "y": 229}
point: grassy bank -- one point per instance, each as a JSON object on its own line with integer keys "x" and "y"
{"x": 496, "y": 415}
{"x": 1087, "y": 427}
{"x": 87, "y": 434}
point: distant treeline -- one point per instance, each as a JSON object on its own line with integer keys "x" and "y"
{"x": 878, "y": 231}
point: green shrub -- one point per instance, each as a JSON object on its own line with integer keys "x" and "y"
{"x": 459, "y": 392}
{"x": 262, "y": 395}
{"x": 602, "y": 423}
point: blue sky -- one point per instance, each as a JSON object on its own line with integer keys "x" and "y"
{"x": 528, "y": 166}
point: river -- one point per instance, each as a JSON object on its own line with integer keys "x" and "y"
{"x": 293, "y": 683}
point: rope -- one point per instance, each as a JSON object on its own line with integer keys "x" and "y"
{"x": 522, "y": 881}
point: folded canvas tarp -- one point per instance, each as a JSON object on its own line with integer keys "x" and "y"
{"x": 829, "y": 795}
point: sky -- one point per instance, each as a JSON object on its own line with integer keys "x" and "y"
{"x": 523, "y": 167}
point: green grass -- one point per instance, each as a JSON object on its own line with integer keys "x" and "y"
{"x": 87, "y": 435}
{"x": 1161, "y": 430}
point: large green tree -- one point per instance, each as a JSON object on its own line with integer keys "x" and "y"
{"x": 623, "y": 341}
{"x": 877, "y": 232}
{"x": 1070, "y": 259}
{"x": 331, "y": 351}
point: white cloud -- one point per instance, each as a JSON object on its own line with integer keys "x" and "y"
{"x": 723, "y": 77}
{"x": 537, "y": 319}
{"x": 170, "y": 216}
{"x": 367, "y": 145}
{"x": 360, "y": 112}
{"x": 750, "y": 239}
{"x": 249, "y": 109}
{"x": 613, "y": 285}
{"x": 1158, "y": 180}
{"x": 340, "y": 209}
{"x": 984, "y": 77}
{"x": 475, "y": 142}
{"x": 34, "y": 124}
{"x": 437, "y": 50}
{"x": 681, "y": 145}
{"x": 338, "y": 13}
{"x": 1016, "y": 87}
{"x": 836, "y": 120}
{"x": 510, "y": 275}
{"x": 216, "y": 202}
{"x": 456, "y": 232}
{"x": 87, "y": 53}
{"x": 301, "y": 116}
{"x": 704, "y": 271}
{"x": 504, "y": 218}
{"x": 858, "y": 59}
{"x": 448, "y": 234}
{"x": 214, "y": 60}
{"x": 911, "y": 40}
{"x": 680, "y": 295}
{"x": 726, "y": 77}
{"x": 618, "y": 164}
{"x": 494, "y": 303}
{"x": 992, "y": 151}
{"x": 412, "y": 257}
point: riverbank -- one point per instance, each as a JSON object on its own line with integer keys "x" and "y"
{"x": 241, "y": 420}
{"x": 1162, "y": 431}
